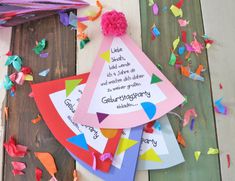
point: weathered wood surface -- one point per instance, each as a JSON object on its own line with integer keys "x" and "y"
{"x": 5, "y": 39}
{"x": 218, "y": 20}
{"x": 86, "y": 57}
{"x": 199, "y": 94}
{"x": 61, "y": 61}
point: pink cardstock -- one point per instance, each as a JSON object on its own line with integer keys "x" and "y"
{"x": 124, "y": 89}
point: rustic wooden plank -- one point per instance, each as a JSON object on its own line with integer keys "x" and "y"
{"x": 199, "y": 95}
{"x": 61, "y": 61}
{"x": 86, "y": 56}
{"x": 220, "y": 56}
{"x": 4, "y": 47}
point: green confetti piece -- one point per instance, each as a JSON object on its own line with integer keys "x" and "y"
{"x": 40, "y": 46}
{"x": 172, "y": 59}
{"x": 7, "y": 83}
{"x": 16, "y": 62}
{"x": 84, "y": 42}
{"x": 159, "y": 66}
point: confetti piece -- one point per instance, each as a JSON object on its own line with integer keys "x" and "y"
{"x": 157, "y": 125}
{"x": 31, "y": 94}
{"x": 187, "y": 115}
{"x": 148, "y": 127}
{"x": 44, "y": 73}
{"x": 17, "y": 172}
{"x": 17, "y": 168}
{"x": 213, "y": 151}
{"x": 176, "y": 43}
{"x": 48, "y": 162}
{"x": 179, "y": 4}
{"x": 184, "y": 36}
{"x": 6, "y": 112}
{"x": 228, "y": 160}
{"x": 43, "y": 55}
{"x": 9, "y": 53}
{"x": 64, "y": 18}
{"x": 84, "y": 42}
{"x": 14, "y": 150}
{"x": 208, "y": 43}
{"x": 181, "y": 50}
{"x": 176, "y": 11}
{"x": 172, "y": 59}
{"x": 197, "y": 46}
{"x": 220, "y": 108}
{"x": 94, "y": 161}
{"x": 192, "y": 124}
{"x": 183, "y": 22}
{"x": 180, "y": 139}
{"x": 155, "y": 31}
{"x": 155, "y": 9}
{"x": 106, "y": 156}
{"x": 151, "y": 3}
{"x": 197, "y": 155}
{"x": 75, "y": 175}
{"x": 37, "y": 119}
{"x": 38, "y": 174}
{"x": 149, "y": 108}
{"x": 189, "y": 48}
{"x": 164, "y": 9}
{"x": 15, "y": 61}
{"x": 40, "y": 46}
{"x": 159, "y": 66}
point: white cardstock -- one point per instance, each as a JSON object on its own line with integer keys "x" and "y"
{"x": 66, "y": 107}
{"x": 118, "y": 159}
{"x": 153, "y": 140}
{"x": 123, "y": 84}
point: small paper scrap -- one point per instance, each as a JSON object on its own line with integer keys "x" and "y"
{"x": 183, "y": 22}
{"x": 180, "y": 139}
{"x": 38, "y": 174}
{"x": 43, "y": 55}
{"x": 15, "y": 150}
{"x": 44, "y": 73}
{"x": 220, "y": 108}
{"x": 155, "y": 32}
{"x": 187, "y": 115}
{"x": 18, "y": 167}
{"x": 40, "y": 46}
{"x": 176, "y": 43}
{"x": 213, "y": 151}
{"x": 176, "y": 11}
{"x": 37, "y": 119}
{"x": 15, "y": 61}
{"x": 155, "y": 9}
{"x": 228, "y": 160}
{"x": 197, "y": 155}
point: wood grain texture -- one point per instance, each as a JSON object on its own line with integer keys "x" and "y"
{"x": 220, "y": 27}
{"x": 5, "y": 40}
{"x": 61, "y": 61}
{"x": 199, "y": 94}
{"x": 86, "y": 56}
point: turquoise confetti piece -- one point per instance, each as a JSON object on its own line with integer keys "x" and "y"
{"x": 7, "y": 84}
{"x": 16, "y": 62}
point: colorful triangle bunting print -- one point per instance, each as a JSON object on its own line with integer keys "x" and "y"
{"x": 106, "y": 56}
{"x": 125, "y": 144}
{"x": 155, "y": 79}
{"x": 79, "y": 140}
{"x": 122, "y": 88}
{"x": 197, "y": 155}
{"x": 70, "y": 85}
{"x": 150, "y": 155}
{"x": 149, "y": 108}
{"x": 101, "y": 116}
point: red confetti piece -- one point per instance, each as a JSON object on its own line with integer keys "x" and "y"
{"x": 148, "y": 127}
{"x": 228, "y": 160}
{"x": 179, "y": 4}
{"x": 9, "y": 53}
{"x": 17, "y": 172}
{"x": 184, "y": 36}
{"x": 14, "y": 150}
{"x": 38, "y": 174}
{"x": 18, "y": 167}
{"x": 220, "y": 86}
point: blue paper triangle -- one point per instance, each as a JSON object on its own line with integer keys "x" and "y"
{"x": 79, "y": 140}
{"x": 149, "y": 108}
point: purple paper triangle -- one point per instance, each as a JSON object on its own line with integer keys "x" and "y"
{"x": 101, "y": 116}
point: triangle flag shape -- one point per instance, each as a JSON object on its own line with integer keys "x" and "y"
{"x": 122, "y": 88}
{"x": 125, "y": 144}
{"x": 101, "y": 116}
{"x": 106, "y": 56}
{"x": 79, "y": 140}
{"x": 155, "y": 79}
{"x": 150, "y": 155}
{"x": 70, "y": 85}
{"x": 197, "y": 155}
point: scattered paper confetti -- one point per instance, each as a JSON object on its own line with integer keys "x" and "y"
{"x": 37, "y": 119}
{"x": 192, "y": 124}
{"x": 157, "y": 125}
{"x": 6, "y": 113}
{"x": 213, "y": 151}
{"x": 187, "y": 115}
{"x": 184, "y": 36}
{"x": 15, "y": 150}
{"x": 164, "y": 9}
{"x": 15, "y": 61}
{"x": 179, "y": 4}
{"x": 38, "y": 174}
{"x": 176, "y": 11}
{"x": 151, "y": 2}
{"x": 183, "y": 22}
{"x": 220, "y": 108}
{"x": 172, "y": 59}
{"x": 181, "y": 50}
{"x": 155, "y": 32}
{"x": 48, "y": 162}
{"x": 180, "y": 139}
{"x": 64, "y": 18}
{"x": 228, "y": 160}
{"x": 44, "y": 73}
{"x": 155, "y": 9}
{"x": 94, "y": 161}
{"x": 106, "y": 156}
{"x": 43, "y": 55}
{"x": 148, "y": 127}
{"x": 40, "y": 46}
{"x": 18, "y": 167}
{"x": 197, "y": 155}
{"x": 220, "y": 86}
{"x": 197, "y": 46}
{"x": 176, "y": 43}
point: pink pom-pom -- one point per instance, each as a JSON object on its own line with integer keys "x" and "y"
{"x": 113, "y": 23}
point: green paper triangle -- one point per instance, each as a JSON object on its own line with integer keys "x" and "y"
{"x": 125, "y": 144}
{"x": 155, "y": 79}
{"x": 70, "y": 85}
{"x": 150, "y": 155}
{"x": 106, "y": 56}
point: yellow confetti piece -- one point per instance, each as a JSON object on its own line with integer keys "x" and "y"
{"x": 176, "y": 11}
{"x": 213, "y": 151}
{"x": 197, "y": 155}
{"x": 28, "y": 77}
{"x": 176, "y": 43}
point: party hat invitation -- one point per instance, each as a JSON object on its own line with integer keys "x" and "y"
{"x": 159, "y": 148}
{"x": 57, "y": 101}
{"x": 124, "y": 89}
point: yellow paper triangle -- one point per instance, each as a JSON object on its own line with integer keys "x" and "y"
{"x": 150, "y": 155}
{"x": 28, "y": 77}
{"x": 125, "y": 144}
{"x": 176, "y": 11}
{"x": 197, "y": 155}
{"x": 106, "y": 56}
